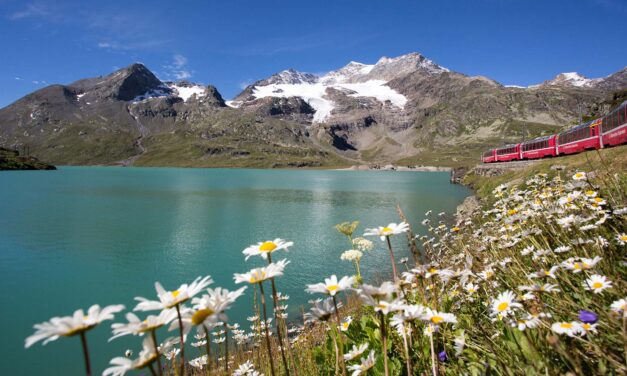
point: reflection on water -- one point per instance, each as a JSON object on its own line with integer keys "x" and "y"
{"x": 79, "y": 236}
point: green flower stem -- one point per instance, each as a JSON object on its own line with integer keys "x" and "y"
{"x": 178, "y": 312}
{"x": 153, "y": 335}
{"x": 434, "y": 368}
{"x": 265, "y": 320}
{"x": 387, "y": 238}
{"x": 385, "y": 344}
{"x": 226, "y": 348}
{"x": 275, "y": 302}
{"x": 86, "y": 354}
{"x": 208, "y": 346}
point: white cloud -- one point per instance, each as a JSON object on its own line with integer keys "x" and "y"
{"x": 179, "y": 61}
{"x": 31, "y": 10}
{"x": 244, "y": 84}
{"x": 177, "y": 69}
{"x": 18, "y": 78}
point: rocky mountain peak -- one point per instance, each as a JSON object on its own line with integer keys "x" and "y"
{"x": 570, "y": 79}
{"x": 389, "y": 68}
{"x": 351, "y": 72}
{"x": 291, "y": 76}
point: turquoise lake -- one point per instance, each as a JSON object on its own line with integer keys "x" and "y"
{"x": 84, "y": 235}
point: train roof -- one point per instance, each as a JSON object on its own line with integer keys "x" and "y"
{"x": 542, "y": 138}
{"x": 506, "y": 146}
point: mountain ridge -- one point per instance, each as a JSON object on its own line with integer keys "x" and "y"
{"x": 405, "y": 109}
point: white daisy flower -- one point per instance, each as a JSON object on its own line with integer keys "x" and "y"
{"x": 147, "y": 356}
{"x": 582, "y": 264}
{"x": 619, "y": 305}
{"x": 259, "y": 275}
{"x": 136, "y": 326}
{"x": 321, "y": 310}
{"x": 199, "y": 362}
{"x": 169, "y": 299}
{"x": 366, "y": 363}
{"x": 68, "y": 326}
{"x": 597, "y": 283}
{"x": 571, "y": 329}
{"x": 504, "y": 304}
{"x": 437, "y": 318}
{"x": 579, "y": 176}
{"x": 331, "y": 286}
{"x": 621, "y": 238}
{"x": 529, "y": 321}
{"x": 346, "y": 323}
{"x": 264, "y": 248}
{"x": 355, "y": 352}
{"x": 389, "y": 230}
{"x": 543, "y": 273}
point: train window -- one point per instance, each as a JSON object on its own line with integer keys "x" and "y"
{"x": 622, "y": 116}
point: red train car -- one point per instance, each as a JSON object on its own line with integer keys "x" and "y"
{"x": 489, "y": 156}
{"x": 539, "y": 147}
{"x": 610, "y": 130}
{"x": 577, "y": 139}
{"x": 508, "y": 153}
{"x": 614, "y": 127}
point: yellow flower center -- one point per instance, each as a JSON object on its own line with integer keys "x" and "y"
{"x": 199, "y": 316}
{"x": 433, "y": 270}
{"x": 587, "y": 326}
{"x": 597, "y": 285}
{"x": 381, "y": 306}
{"x": 257, "y": 278}
{"x": 332, "y": 288}
{"x": 502, "y": 307}
{"x": 386, "y": 230}
{"x": 437, "y": 319}
{"x": 267, "y": 247}
{"x": 566, "y": 325}
{"x": 598, "y": 199}
{"x": 512, "y": 212}
{"x": 175, "y": 293}
{"x": 345, "y": 325}
{"x": 579, "y": 175}
{"x": 455, "y": 229}
{"x": 577, "y": 266}
{"x": 623, "y": 238}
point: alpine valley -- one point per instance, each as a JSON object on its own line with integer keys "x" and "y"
{"x": 404, "y": 110}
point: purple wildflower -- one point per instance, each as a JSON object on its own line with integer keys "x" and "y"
{"x": 442, "y": 356}
{"x": 588, "y": 317}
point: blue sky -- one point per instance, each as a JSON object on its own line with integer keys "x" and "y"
{"x": 232, "y": 43}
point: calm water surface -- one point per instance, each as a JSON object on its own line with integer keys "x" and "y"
{"x": 84, "y": 235}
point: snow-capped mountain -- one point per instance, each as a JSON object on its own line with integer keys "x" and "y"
{"x": 571, "y": 79}
{"x": 402, "y": 108}
{"x": 355, "y": 80}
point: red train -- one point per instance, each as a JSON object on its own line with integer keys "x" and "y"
{"x": 610, "y": 130}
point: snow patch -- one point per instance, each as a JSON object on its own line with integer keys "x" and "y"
{"x": 186, "y": 92}
{"x": 233, "y": 104}
{"x": 79, "y": 96}
{"x": 162, "y": 91}
{"x": 516, "y": 86}
{"x": 314, "y": 94}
